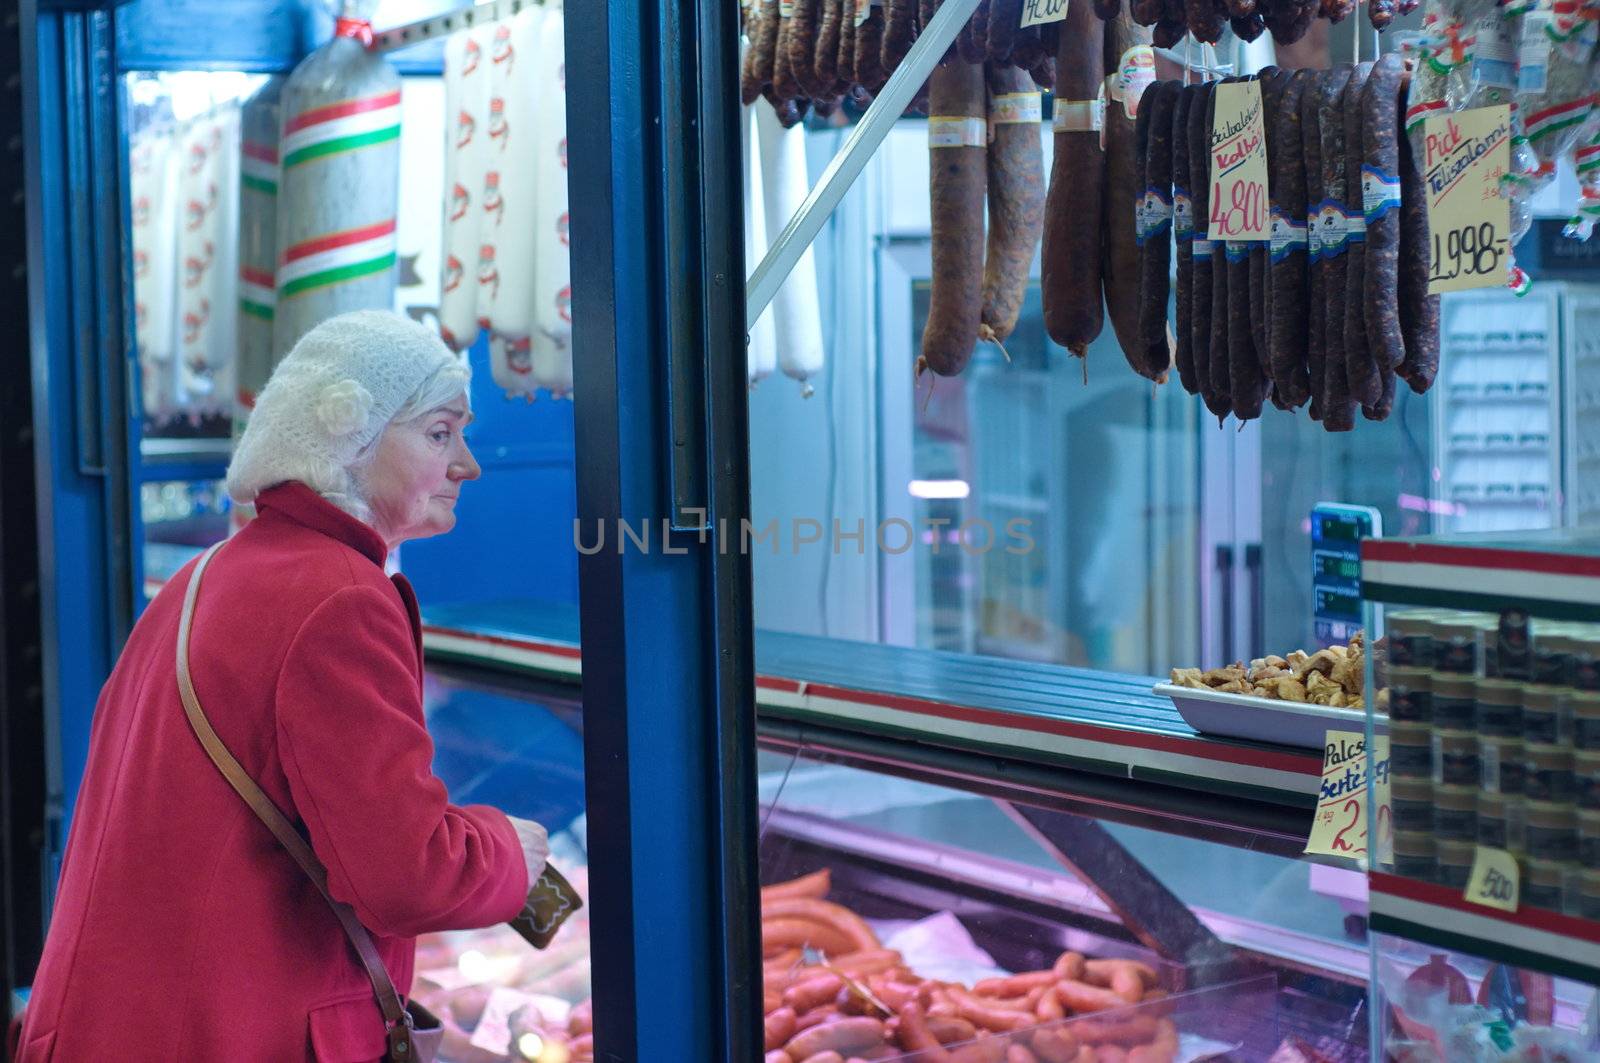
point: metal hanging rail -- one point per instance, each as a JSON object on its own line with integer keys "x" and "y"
{"x": 463, "y": 18}
{"x": 846, "y": 166}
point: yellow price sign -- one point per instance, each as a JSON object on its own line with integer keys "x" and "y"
{"x": 1465, "y": 155}
{"x": 1495, "y": 880}
{"x": 1340, "y": 826}
{"x": 1238, "y": 165}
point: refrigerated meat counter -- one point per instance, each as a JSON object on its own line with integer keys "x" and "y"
{"x": 974, "y": 841}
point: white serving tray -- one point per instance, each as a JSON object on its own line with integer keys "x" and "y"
{"x": 1283, "y": 723}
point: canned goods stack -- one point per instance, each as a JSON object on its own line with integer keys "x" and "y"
{"x": 1410, "y": 658}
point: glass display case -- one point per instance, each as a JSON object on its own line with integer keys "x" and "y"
{"x": 1486, "y": 921}
{"x": 944, "y": 879}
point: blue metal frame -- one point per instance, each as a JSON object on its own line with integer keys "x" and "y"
{"x": 668, "y": 693}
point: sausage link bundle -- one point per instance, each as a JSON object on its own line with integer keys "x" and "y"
{"x": 899, "y": 32}
{"x": 869, "y": 49}
{"x": 825, "y": 63}
{"x": 1152, "y": 358}
{"x": 1121, "y": 263}
{"x": 1016, "y": 197}
{"x": 1205, "y": 20}
{"x": 1183, "y": 234}
{"x": 1204, "y": 260}
{"x": 1070, "y": 269}
{"x": 972, "y": 43}
{"x": 1381, "y": 101}
{"x": 1286, "y": 328}
{"x": 1338, "y": 408}
{"x": 804, "y": 31}
{"x": 784, "y": 87}
{"x": 1288, "y": 20}
{"x": 845, "y": 68}
{"x": 762, "y": 28}
{"x": 958, "y": 178}
{"x": 1005, "y": 16}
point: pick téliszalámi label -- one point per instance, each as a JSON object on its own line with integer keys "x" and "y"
{"x": 1238, "y": 165}
{"x": 1469, "y": 222}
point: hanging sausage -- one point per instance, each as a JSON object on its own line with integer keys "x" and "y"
{"x": 259, "y": 123}
{"x": 797, "y": 312}
{"x": 466, "y": 90}
{"x": 340, "y": 153}
{"x": 552, "y": 308}
{"x": 208, "y": 186}
{"x": 153, "y": 189}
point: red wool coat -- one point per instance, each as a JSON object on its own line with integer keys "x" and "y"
{"x": 182, "y": 930}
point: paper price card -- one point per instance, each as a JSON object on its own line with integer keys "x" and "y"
{"x": 1495, "y": 879}
{"x": 1038, "y": 12}
{"x": 1469, "y": 223}
{"x": 1340, "y": 825}
{"x": 1239, "y": 165}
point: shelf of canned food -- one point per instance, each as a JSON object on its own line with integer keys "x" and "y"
{"x": 1494, "y": 729}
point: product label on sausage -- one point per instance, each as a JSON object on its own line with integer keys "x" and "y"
{"x": 1015, "y": 108}
{"x": 1182, "y": 213}
{"x": 1135, "y": 73}
{"x": 1494, "y": 58}
{"x": 957, "y": 132}
{"x": 1079, "y": 116}
{"x": 1380, "y": 193}
{"x": 1355, "y": 227}
{"x": 1202, "y": 248}
{"x": 1330, "y": 228}
{"x": 1288, "y": 235}
{"x": 1153, "y": 215}
{"x": 1236, "y": 250}
{"x": 1313, "y": 238}
{"x": 1533, "y": 57}
{"x": 785, "y": 8}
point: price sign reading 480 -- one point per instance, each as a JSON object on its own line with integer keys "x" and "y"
{"x": 1238, "y": 165}
{"x": 1469, "y": 222}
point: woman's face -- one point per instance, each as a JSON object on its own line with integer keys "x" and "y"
{"x": 417, "y": 472}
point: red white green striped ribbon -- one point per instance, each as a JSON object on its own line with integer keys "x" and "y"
{"x": 1418, "y": 112}
{"x": 1541, "y": 124}
{"x": 1588, "y": 158}
{"x": 341, "y": 127}
{"x": 258, "y": 168}
{"x": 257, "y": 295}
{"x": 337, "y": 258}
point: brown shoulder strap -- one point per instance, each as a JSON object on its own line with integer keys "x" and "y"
{"x": 394, "y": 1013}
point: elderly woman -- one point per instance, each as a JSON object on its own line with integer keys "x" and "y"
{"x": 183, "y": 930}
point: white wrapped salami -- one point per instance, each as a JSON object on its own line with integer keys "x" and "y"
{"x": 761, "y": 354}
{"x": 207, "y": 251}
{"x": 797, "y": 312}
{"x": 552, "y": 274}
{"x": 338, "y": 194}
{"x": 466, "y": 87}
{"x": 260, "y": 121}
{"x": 506, "y": 256}
{"x": 153, "y": 188}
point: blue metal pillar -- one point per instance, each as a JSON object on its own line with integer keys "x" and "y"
{"x": 660, "y": 427}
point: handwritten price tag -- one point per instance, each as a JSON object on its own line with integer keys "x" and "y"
{"x": 1038, "y": 12}
{"x": 1340, "y": 826}
{"x": 1239, "y": 165}
{"x": 1495, "y": 879}
{"x": 1469, "y": 222}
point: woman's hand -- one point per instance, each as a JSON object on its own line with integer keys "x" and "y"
{"x": 535, "y": 846}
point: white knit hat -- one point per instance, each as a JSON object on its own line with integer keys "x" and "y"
{"x": 332, "y": 397}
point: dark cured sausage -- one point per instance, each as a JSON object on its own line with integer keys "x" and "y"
{"x": 972, "y": 42}
{"x": 1183, "y": 234}
{"x": 1286, "y": 330}
{"x": 1288, "y": 20}
{"x": 957, "y": 181}
{"x": 1070, "y": 271}
{"x": 1005, "y": 16}
{"x": 1205, "y": 21}
{"x": 1221, "y": 290}
{"x": 899, "y": 32}
{"x": 1381, "y": 106}
{"x": 762, "y": 30}
{"x": 1120, "y": 263}
{"x": 1361, "y": 371}
{"x": 869, "y": 48}
{"x": 825, "y": 62}
{"x": 1338, "y": 408}
{"x": 845, "y": 68}
{"x": 1316, "y": 297}
{"x": 1272, "y": 81}
{"x": 784, "y": 85}
{"x": 1203, "y": 257}
{"x": 803, "y": 39}
{"x": 1016, "y": 197}
{"x": 1153, "y": 358}
{"x": 1419, "y": 311}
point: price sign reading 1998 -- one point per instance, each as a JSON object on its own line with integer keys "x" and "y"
{"x": 1469, "y": 222}
{"x": 1238, "y": 165}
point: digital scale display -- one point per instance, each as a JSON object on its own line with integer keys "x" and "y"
{"x": 1336, "y": 534}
